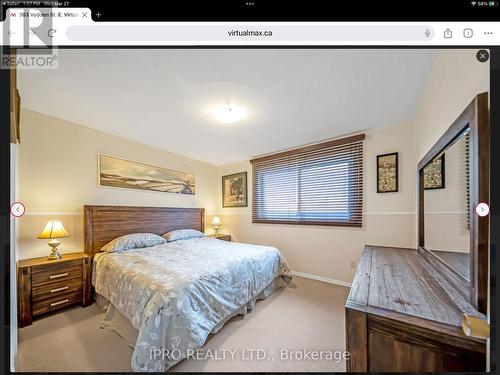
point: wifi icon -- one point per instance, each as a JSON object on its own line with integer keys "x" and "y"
{"x": 473, "y": 3}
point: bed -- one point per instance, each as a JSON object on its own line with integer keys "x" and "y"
{"x": 174, "y": 295}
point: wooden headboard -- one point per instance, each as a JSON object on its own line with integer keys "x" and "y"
{"x": 104, "y": 223}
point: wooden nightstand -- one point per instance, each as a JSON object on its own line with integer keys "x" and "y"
{"x": 220, "y": 236}
{"x": 47, "y": 285}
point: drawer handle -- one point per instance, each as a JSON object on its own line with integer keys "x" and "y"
{"x": 58, "y": 276}
{"x": 59, "y": 289}
{"x": 59, "y": 302}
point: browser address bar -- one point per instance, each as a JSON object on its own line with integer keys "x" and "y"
{"x": 251, "y": 32}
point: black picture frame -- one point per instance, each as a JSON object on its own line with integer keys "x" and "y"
{"x": 242, "y": 175}
{"x": 396, "y": 162}
{"x": 443, "y": 174}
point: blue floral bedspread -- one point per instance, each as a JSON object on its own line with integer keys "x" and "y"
{"x": 176, "y": 293}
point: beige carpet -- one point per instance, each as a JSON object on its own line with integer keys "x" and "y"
{"x": 309, "y": 316}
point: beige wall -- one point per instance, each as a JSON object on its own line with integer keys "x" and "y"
{"x": 328, "y": 252}
{"x": 456, "y": 79}
{"x": 58, "y": 175}
{"x": 57, "y": 164}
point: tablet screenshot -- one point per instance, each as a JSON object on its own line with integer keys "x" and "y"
{"x": 246, "y": 187}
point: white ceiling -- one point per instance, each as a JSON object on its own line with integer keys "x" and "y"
{"x": 293, "y": 97}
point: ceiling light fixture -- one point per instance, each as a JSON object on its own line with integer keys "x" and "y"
{"x": 228, "y": 114}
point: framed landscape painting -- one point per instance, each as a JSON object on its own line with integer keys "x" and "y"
{"x": 387, "y": 173}
{"x": 127, "y": 174}
{"x": 234, "y": 190}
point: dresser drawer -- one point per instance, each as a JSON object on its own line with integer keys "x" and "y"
{"x": 56, "y": 275}
{"x": 56, "y": 302}
{"x": 56, "y": 289}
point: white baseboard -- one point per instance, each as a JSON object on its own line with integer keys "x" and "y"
{"x": 321, "y": 278}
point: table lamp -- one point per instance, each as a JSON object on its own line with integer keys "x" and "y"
{"x": 215, "y": 224}
{"x": 53, "y": 230}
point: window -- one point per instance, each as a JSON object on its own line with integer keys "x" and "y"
{"x": 320, "y": 184}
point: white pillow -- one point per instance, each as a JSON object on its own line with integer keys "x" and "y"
{"x": 133, "y": 241}
{"x": 182, "y": 234}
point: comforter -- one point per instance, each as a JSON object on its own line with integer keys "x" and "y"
{"x": 176, "y": 294}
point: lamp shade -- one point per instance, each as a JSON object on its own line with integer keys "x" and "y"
{"x": 53, "y": 229}
{"x": 216, "y": 220}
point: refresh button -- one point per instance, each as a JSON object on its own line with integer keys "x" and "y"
{"x": 51, "y": 33}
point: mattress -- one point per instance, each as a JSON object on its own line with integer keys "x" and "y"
{"x": 176, "y": 294}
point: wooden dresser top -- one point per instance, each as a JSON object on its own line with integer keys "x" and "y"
{"x": 401, "y": 284}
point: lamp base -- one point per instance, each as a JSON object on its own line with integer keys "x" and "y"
{"x": 54, "y": 254}
{"x": 216, "y": 230}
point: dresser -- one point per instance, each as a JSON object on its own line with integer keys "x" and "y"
{"x": 49, "y": 285}
{"x": 402, "y": 315}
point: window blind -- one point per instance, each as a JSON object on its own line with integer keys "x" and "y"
{"x": 321, "y": 184}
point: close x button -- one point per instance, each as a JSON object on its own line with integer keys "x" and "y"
{"x": 482, "y": 55}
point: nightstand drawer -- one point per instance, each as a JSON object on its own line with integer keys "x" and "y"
{"x": 57, "y": 265}
{"x": 56, "y": 302}
{"x": 54, "y": 290}
{"x": 56, "y": 275}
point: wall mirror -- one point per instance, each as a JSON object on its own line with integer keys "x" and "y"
{"x": 447, "y": 205}
{"x": 453, "y": 177}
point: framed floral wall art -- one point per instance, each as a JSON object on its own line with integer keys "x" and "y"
{"x": 387, "y": 173}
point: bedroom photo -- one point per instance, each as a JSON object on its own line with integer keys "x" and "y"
{"x": 253, "y": 209}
